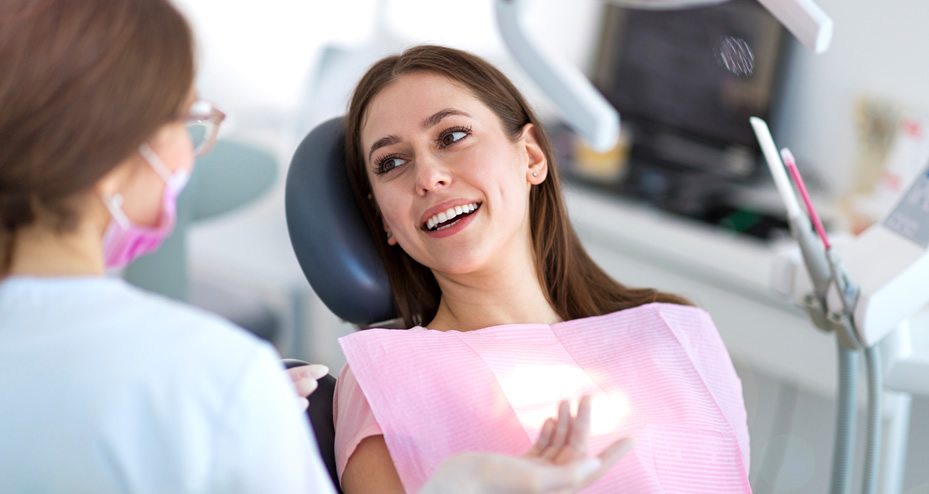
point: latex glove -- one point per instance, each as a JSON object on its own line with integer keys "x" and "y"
{"x": 557, "y": 463}
{"x": 304, "y": 379}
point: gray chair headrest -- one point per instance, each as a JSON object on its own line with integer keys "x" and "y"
{"x": 328, "y": 233}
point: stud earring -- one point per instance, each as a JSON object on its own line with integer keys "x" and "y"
{"x": 535, "y": 174}
{"x": 389, "y": 235}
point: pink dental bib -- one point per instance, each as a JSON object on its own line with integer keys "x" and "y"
{"x": 658, "y": 372}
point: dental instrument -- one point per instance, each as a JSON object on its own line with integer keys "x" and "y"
{"x": 813, "y": 256}
{"x": 820, "y": 271}
{"x": 865, "y": 312}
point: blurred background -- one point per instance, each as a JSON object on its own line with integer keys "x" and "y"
{"x": 682, "y": 203}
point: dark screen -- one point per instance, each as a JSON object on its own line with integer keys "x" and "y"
{"x": 670, "y": 73}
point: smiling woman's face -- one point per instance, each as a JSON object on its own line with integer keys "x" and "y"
{"x": 452, "y": 187}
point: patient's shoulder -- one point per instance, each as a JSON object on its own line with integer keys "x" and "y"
{"x": 353, "y": 417}
{"x": 661, "y": 312}
{"x": 671, "y": 309}
{"x": 347, "y": 392}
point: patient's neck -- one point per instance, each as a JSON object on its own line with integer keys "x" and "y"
{"x": 508, "y": 292}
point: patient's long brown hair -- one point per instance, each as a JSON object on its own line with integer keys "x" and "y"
{"x": 576, "y": 287}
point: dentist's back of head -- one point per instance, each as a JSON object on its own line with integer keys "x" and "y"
{"x": 107, "y": 388}
{"x": 84, "y": 84}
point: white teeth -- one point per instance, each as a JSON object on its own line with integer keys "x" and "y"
{"x": 450, "y": 214}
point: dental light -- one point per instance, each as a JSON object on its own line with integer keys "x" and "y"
{"x": 582, "y": 107}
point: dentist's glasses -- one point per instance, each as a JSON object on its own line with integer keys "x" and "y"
{"x": 203, "y": 125}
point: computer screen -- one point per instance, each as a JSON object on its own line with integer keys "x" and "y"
{"x": 686, "y": 81}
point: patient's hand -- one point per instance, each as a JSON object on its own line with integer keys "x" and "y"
{"x": 557, "y": 463}
{"x": 304, "y": 378}
{"x": 564, "y": 438}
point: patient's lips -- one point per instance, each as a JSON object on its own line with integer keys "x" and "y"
{"x": 447, "y": 219}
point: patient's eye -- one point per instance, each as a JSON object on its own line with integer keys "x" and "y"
{"x": 388, "y": 163}
{"x": 453, "y": 135}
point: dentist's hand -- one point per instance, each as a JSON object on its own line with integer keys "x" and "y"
{"x": 556, "y": 464}
{"x": 304, "y": 378}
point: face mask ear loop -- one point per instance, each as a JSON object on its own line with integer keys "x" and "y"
{"x": 155, "y": 162}
{"x": 114, "y": 205}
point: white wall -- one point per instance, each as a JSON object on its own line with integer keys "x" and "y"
{"x": 880, "y": 48}
{"x": 260, "y": 60}
{"x": 258, "y": 54}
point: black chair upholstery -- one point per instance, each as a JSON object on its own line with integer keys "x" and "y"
{"x": 327, "y": 231}
{"x": 335, "y": 252}
{"x": 320, "y": 415}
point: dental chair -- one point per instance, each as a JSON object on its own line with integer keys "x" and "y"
{"x": 335, "y": 252}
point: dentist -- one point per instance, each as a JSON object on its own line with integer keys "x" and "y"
{"x": 107, "y": 388}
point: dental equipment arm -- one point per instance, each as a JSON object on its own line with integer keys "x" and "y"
{"x": 588, "y": 113}
{"x": 805, "y": 20}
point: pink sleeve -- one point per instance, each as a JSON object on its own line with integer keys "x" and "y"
{"x": 354, "y": 420}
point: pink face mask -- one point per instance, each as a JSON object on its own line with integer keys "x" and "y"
{"x": 123, "y": 241}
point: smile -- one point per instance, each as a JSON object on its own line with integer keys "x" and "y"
{"x": 450, "y": 216}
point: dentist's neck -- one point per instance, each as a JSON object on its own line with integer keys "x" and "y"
{"x": 41, "y": 250}
{"x": 44, "y": 252}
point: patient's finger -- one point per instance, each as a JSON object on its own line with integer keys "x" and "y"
{"x": 576, "y": 443}
{"x": 544, "y": 439}
{"x": 561, "y": 431}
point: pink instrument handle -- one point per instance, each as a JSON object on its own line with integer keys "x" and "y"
{"x": 798, "y": 181}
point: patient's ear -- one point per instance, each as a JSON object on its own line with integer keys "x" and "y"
{"x": 390, "y": 236}
{"x": 537, "y": 163}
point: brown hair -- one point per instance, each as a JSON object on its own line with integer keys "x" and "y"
{"x": 84, "y": 84}
{"x": 576, "y": 287}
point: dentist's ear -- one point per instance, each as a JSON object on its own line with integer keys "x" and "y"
{"x": 537, "y": 168}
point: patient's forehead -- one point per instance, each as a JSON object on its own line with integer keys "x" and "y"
{"x": 402, "y": 105}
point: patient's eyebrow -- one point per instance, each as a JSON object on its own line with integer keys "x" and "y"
{"x": 382, "y": 142}
{"x": 427, "y": 123}
{"x": 437, "y": 117}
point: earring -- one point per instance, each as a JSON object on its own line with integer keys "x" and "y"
{"x": 535, "y": 174}
{"x": 389, "y": 235}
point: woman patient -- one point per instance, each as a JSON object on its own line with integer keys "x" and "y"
{"x": 507, "y": 313}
